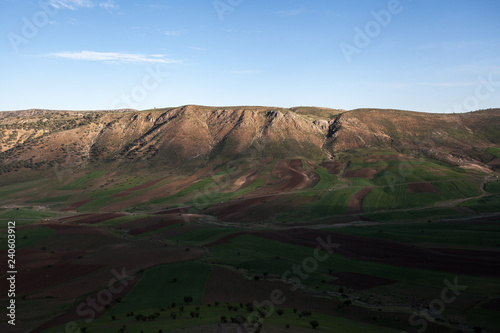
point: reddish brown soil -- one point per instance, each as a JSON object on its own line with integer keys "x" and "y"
{"x": 142, "y": 230}
{"x": 136, "y": 188}
{"x": 359, "y": 281}
{"x": 388, "y": 157}
{"x": 294, "y": 177}
{"x": 356, "y": 201}
{"x": 243, "y": 210}
{"x": 332, "y": 167}
{"x": 279, "y": 169}
{"x": 29, "y": 280}
{"x": 159, "y": 192}
{"x": 249, "y": 177}
{"x": 361, "y": 173}
{"x": 495, "y": 162}
{"x": 225, "y": 285}
{"x": 378, "y": 250}
{"x": 227, "y": 209}
{"x": 225, "y": 239}
{"x": 391, "y": 252}
{"x": 421, "y": 188}
{"x": 87, "y": 231}
{"x": 73, "y": 316}
{"x": 75, "y": 205}
{"x": 131, "y": 257}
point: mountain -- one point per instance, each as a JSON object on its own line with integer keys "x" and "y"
{"x": 248, "y": 163}
{"x": 198, "y": 135}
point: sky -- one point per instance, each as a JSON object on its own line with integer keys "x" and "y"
{"x": 421, "y": 55}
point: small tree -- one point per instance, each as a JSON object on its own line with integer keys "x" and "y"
{"x": 314, "y": 324}
{"x": 279, "y": 312}
{"x": 188, "y": 299}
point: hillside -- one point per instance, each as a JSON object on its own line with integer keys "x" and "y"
{"x": 197, "y": 136}
{"x": 208, "y": 209}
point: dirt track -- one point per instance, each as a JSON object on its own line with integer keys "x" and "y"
{"x": 294, "y": 177}
{"x": 356, "y": 201}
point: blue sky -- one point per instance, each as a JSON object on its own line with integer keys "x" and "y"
{"x": 434, "y": 56}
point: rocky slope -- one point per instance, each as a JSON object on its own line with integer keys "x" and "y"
{"x": 197, "y": 135}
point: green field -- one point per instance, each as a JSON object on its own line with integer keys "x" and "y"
{"x": 80, "y": 182}
{"x": 467, "y": 235}
{"x": 389, "y": 213}
{"x": 493, "y": 187}
{"x": 202, "y": 236}
{"x": 399, "y": 172}
{"x": 397, "y": 197}
{"x": 275, "y": 258}
{"x": 60, "y": 198}
{"x": 325, "y": 203}
{"x": 327, "y": 180}
{"x": 166, "y": 284}
{"x": 29, "y": 237}
{"x": 495, "y": 151}
{"x": 212, "y": 314}
{"x": 487, "y": 204}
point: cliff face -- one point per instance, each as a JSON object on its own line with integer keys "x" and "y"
{"x": 176, "y": 136}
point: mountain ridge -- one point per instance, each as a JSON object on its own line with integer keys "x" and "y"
{"x": 199, "y": 135}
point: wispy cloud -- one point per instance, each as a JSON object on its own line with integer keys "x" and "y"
{"x": 77, "y": 4}
{"x": 115, "y": 57}
{"x": 198, "y": 48}
{"x": 175, "y": 33}
{"x": 245, "y": 71}
{"x": 72, "y": 4}
{"x": 108, "y": 5}
{"x": 290, "y": 12}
